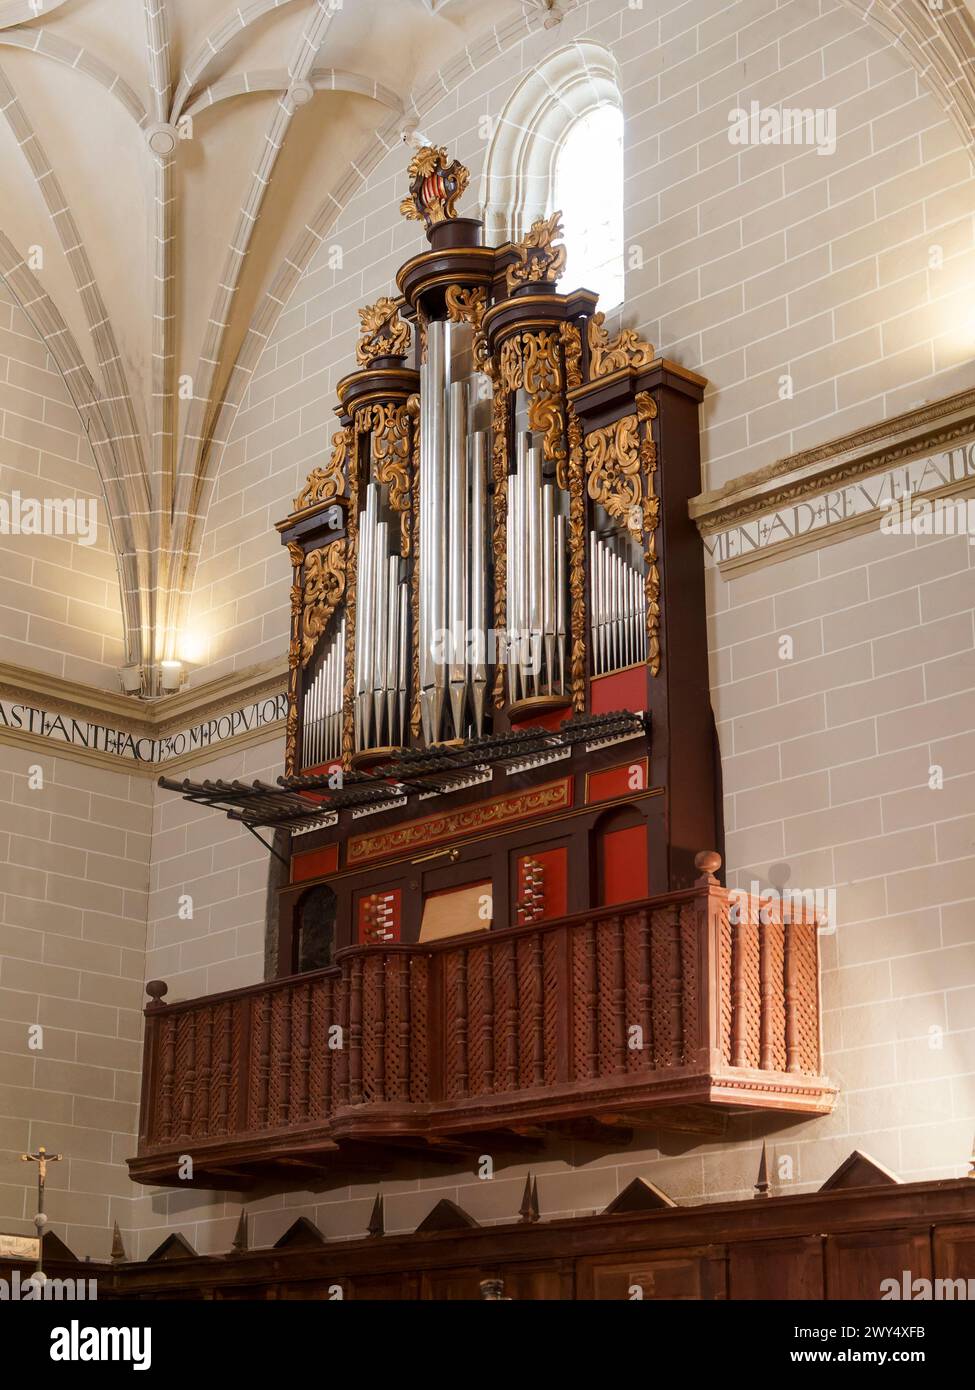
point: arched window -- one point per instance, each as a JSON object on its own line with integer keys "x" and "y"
{"x": 588, "y": 187}
{"x": 559, "y": 144}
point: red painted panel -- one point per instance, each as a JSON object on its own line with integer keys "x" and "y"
{"x": 380, "y": 917}
{"x": 550, "y": 719}
{"x": 554, "y": 864}
{"x": 314, "y": 863}
{"x": 624, "y": 865}
{"x": 617, "y": 781}
{"x": 619, "y": 690}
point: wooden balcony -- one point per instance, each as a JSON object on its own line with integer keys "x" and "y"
{"x": 598, "y": 1021}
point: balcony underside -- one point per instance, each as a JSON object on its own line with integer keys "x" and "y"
{"x": 354, "y": 1139}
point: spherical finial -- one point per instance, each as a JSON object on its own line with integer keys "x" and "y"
{"x": 707, "y": 862}
{"x": 155, "y": 990}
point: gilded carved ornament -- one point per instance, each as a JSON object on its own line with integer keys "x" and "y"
{"x": 541, "y": 254}
{"x": 627, "y": 349}
{"x": 326, "y": 484}
{"x": 391, "y": 452}
{"x": 532, "y": 362}
{"x": 321, "y": 593}
{"x": 646, "y": 408}
{"x": 297, "y": 555}
{"x": 613, "y": 471}
{"x": 382, "y": 333}
{"x": 435, "y": 187}
{"x": 469, "y": 306}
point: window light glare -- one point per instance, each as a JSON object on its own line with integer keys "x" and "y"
{"x": 588, "y": 188}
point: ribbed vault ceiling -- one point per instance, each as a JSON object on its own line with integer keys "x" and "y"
{"x": 164, "y": 157}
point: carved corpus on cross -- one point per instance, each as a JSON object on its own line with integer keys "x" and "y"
{"x": 42, "y": 1158}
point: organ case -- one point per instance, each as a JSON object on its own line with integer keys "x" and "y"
{"x": 497, "y": 549}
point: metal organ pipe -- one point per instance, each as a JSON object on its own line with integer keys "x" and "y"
{"x": 537, "y": 574}
{"x": 457, "y": 532}
{"x": 479, "y": 542}
{"x": 322, "y": 707}
{"x": 617, "y": 602}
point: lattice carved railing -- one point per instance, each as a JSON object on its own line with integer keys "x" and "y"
{"x": 678, "y": 999}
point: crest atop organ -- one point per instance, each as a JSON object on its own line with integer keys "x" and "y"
{"x": 496, "y": 589}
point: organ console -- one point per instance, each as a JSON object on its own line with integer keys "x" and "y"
{"x": 498, "y": 686}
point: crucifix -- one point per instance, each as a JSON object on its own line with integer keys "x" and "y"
{"x": 42, "y": 1158}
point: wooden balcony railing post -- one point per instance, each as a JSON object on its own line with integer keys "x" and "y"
{"x": 793, "y": 1060}
{"x": 301, "y": 1083}
{"x": 204, "y": 1075}
{"x": 355, "y": 1032}
{"x": 158, "y": 1061}
{"x": 714, "y": 965}
{"x": 563, "y": 1024}
{"x": 222, "y": 1079}
{"x": 537, "y": 988}
{"x": 400, "y": 1088}
{"x": 767, "y": 993}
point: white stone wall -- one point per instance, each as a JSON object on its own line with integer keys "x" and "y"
{"x": 59, "y": 600}
{"x": 74, "y": 870}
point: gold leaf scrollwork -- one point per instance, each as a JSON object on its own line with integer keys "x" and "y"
{"x": 322, "y": 592}
{"x": 469, "y": 306}
{"x": 646, "y": 408}
{"x": 577, "y": 564}
{"x": 572, "y": 350}
{"x": 391, "y": 426}
{"x": 435, "y": 186}
{"x": 541, "y": 254}
{"x": 382, "y": 333}
{"x": 512, "y": 364}
{"x": 413, "y": 405}
{"x": 351, "y": 576}
{"x": 499, "y": 477}
{"x": 466, "y": 306}
{"x": 627, "y": 349}
{"x": 613, "y": 471}
{"x": 294, "y": 661}
{"x": 543, "y": 385}
{"x": 325, "y": 484}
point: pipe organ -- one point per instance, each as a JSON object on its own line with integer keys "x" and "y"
{"x": 500, "y": 805}
{"x": 498, "y": 656}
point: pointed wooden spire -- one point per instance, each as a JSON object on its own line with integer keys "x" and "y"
{"x": 240, "y": 1235}
{"x": 446, "y": 1216}
{"x": 763, "y": 1188}
{"x": 174, "y": 1247}
{"x": 118, "y": 1249}
{"x": 377, "y": 1221}
{"x": 640, "y": 1195}
{"x": 859, "y": 1170}
{"x": 528, "y": 1211}
{"x": 300, "y": 1235}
